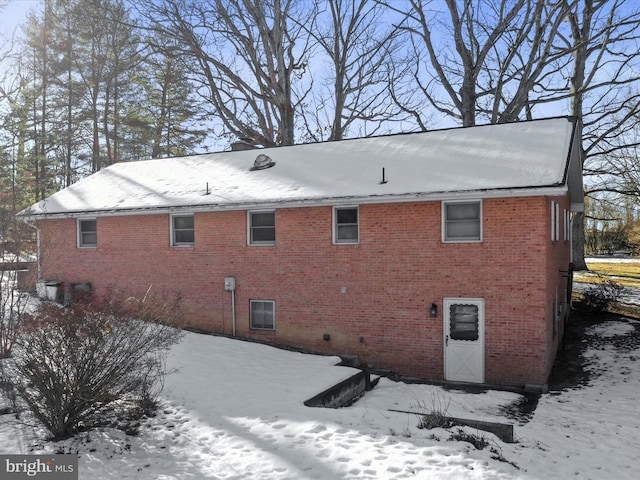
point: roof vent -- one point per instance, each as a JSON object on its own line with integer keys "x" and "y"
{"x": 262, "y": 161}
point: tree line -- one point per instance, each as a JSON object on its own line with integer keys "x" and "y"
{"x": 93, "y": 82}
{"x": 612, "y": 225}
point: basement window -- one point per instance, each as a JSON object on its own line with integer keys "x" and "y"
{"x": 262, "y": 227}
{"x": 182, "y": 231}
{"x": 345, "y": 225}
{"x": 87, "y": 233}
{"x": 462, "y": 221}
{"x": 263, "y": 314}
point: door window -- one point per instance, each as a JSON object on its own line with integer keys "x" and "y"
{"x": 463, "y": 322}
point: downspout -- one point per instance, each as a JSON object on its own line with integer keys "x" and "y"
{"x": 233, "y": 311}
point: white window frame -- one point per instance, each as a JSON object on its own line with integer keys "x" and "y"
{"x": 249, "y": 228}
{"x": 444, "y": 222}
{"x": 79, "y": 231}
{"x": 273, "y": 315}
{"x": 173, "y": 241}
{"x": 567, "y": 225}
{"x": 334, "y": 221}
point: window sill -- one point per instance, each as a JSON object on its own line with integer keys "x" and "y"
{"x": 461, "y": 241}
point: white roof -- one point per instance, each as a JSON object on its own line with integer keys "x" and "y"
{"x": 487, "y": 160}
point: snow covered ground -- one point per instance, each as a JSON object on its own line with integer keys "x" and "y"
{"x": 234, "y": 410}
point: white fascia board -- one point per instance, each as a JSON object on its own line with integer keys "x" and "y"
{"x": 320, "y": 202}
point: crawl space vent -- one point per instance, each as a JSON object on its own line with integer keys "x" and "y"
{"x": 262, "y": 161}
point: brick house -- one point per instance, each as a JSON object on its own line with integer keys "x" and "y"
{"x": 440, "y": 255}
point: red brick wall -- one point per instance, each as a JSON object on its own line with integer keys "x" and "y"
{"x": 558, "y": 259}
{"x": 399, "y": 268}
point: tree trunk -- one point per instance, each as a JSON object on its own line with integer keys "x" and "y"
{"x": 577, "y": 242}
{"x": 581, "y": 38}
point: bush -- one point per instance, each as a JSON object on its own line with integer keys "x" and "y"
{"x": 72, "y": 364}
{"x": 599, "y": 296}
{"x": 12, "y": 312}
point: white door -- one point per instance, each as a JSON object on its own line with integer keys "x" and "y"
{"x": 464, "y": 339}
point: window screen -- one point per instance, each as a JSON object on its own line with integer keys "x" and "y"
{"x": 263, "y": 314}
{"x": 463, "y": 322}
{"x": 346, "y": 225}
{"x": 88, "y": 233}
{"x": 462, "y": 222}
{"x": 262, "y": 228}
{"x": 183, "y": 230}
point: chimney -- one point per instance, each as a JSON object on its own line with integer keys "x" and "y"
{"x": 241, "y": 145}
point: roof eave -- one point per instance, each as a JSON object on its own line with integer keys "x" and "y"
{"x": 550, "y": 190}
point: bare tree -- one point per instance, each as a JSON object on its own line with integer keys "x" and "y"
{"x": 248, "y": 56}
{"x": 477, "y": 59}
{"x": 359, "y": 47}
{"x": 604, "y": 95}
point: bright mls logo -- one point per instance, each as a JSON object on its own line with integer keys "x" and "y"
{"x": 50, "y": 467}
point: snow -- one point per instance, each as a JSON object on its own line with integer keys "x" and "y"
{"x": 613, "y": 329}
{"x": 234, "y": 410}
{"x": 622, "y": 259}
{"x": 503, "y": 159}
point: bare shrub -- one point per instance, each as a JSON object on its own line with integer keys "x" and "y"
{"x": 478, "y": 441}
{"x": 12, "y": 312}
{"x": 75, "y": 365}
{"x": 599, "y": 296}
{"x": 434, "y": 415}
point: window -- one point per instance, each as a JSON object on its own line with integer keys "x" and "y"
{"x": 345, "y": 225}
{"x": 87, "y": 233}
{"x": 462, "y": 221}
{"x": 263, "y": 314}
{"x": 464, "y": 321}
{"x": 182, "y": 230}
{"x": 262, "y": 228}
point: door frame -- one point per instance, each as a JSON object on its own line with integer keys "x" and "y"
{"x": 479, "y": 374}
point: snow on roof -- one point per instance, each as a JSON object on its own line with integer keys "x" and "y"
{"x": 519, "y": 155}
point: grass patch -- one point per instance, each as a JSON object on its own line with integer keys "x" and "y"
{"x": 631, "y": 311}
{"x": 624, "y": 273}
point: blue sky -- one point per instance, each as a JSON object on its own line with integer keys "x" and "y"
{"x": 15, "y": 13}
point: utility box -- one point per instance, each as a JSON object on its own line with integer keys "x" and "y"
{"x": 230, "y": 283}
